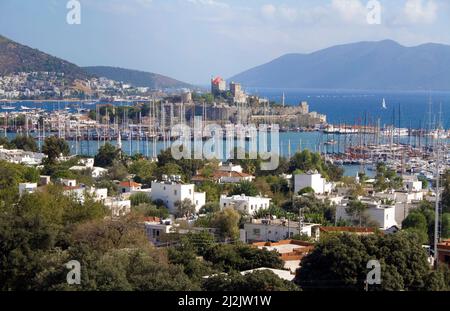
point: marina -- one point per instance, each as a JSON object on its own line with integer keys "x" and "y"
{"x": 357, "y": 147}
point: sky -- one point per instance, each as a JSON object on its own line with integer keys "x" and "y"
{"x": 193, "y": 40}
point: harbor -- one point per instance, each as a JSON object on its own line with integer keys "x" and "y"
{"x": 146, "y": 128}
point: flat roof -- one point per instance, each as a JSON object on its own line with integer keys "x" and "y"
{"x": 282, "y": 248}
{"x": 282, "y": 274}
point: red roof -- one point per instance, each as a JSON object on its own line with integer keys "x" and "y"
{"x": 129, "y": 184}
{"x": 217, "y": 80}
{"x": 152, "y": 219}
{"x": 72, "y": 187}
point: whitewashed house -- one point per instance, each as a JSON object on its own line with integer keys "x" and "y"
{"x": 243, "y": 203}
{"x": 382, "y": 214}
{"x": 129, "y": 186}
{"x": 80, "y": 192}
{"x": 96, "y": 172}
{"x": 27, "y": 188}
{"x": 313, "y": 180}
{"x": 171, "y": 191}
{"x": 118, "y": 206}
{"x": 68, "y": 182}
{"x": 259, "y": 230}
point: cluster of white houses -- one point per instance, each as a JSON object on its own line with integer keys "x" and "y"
{"x": 385, "y": 209}
{"x": 19, "y": 156}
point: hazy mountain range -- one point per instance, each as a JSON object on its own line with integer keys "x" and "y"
{"x": 137, "y": 78}
{"x": 15, "y": 57}
{"x": 383, "y": 65}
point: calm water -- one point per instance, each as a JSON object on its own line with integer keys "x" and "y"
{"x": 296, "y": 140}
{"x": 352, "y": 107}
{"x": 339, "y": 106}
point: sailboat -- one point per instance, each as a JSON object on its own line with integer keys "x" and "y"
{"x": 383, "y": 104}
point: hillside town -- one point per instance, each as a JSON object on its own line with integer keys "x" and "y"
{"x": 54, "y": 85}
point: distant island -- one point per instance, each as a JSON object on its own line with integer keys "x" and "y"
{"x": 383, "y": 65}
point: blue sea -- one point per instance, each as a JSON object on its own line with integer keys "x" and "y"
{"x": 353, "y": 107}
{"x": 341, "y": 107}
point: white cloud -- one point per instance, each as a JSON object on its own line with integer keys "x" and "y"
{"x": 350, "y": 10}
{"x": 282, "y": 12}
{"x": 418, "y": 11}
{"x": 209, "y": 3}
{"x": 268, "y": 10}
{"x": 288, "y": 13}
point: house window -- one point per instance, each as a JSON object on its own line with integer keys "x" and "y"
{"x": 256, "y": 232}
{"x": 224, "y": 204}
{"x": 164, "y": 188}
{"x": 190, "y": 191}
{"x": 175, "y": 192}
{"x": 196, "y": 202}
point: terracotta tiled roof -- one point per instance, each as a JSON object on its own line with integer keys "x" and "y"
{"x": 129, "y": 184}
{"x": 152, "y": 219}
{"x": 445, "y": 244}
{"x": 71, "y": 187}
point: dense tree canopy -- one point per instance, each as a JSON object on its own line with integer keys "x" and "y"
{"x": 245, "y": 187}
{"x": 54, "y": 147}
{"x": 106, "y": 155}
{"x": 256, "y": 281}
{"x": 306, "y": 160}
{"x": 27, "y": 143}
{"x": 340, "y": 262}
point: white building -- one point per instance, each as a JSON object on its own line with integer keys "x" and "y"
{"x": 230, "y": 167}
{"x": 79, "y": 193}
{"x": 118, "y": 206}
{"x": 172, "y": 191}
{"x": 88, "y": 162}
{"x": 68, "y": 182}
{"x": 411, "y": 183}
{"x": 156, "y": 228}
{"x": 243, "y": 203}
{"x": 313, "y": 180}
{"x": 19, "y": 156}
{"x": 27, "y": 188}
{"x": 96, "y": 172}
{"x": 383, "y": 215}
{"x": 129, "y": 186}
{"x": 260, "y": 230}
